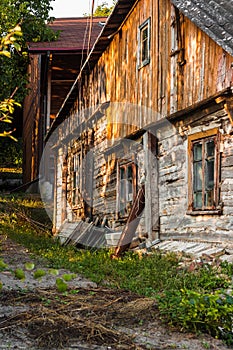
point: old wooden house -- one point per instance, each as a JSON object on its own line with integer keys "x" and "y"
{"x": 151, "y": 111}
{"x": 52, "y": 70}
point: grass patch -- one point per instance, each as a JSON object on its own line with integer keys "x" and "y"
{"x": 200, "y": 300}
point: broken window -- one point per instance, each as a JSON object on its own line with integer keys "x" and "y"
{"x": 144, "y": 44}
{"x": 127, "y": 187}
{"x": 204, "y": 171}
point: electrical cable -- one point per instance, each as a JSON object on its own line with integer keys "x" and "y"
{"x": 90, "y": 28}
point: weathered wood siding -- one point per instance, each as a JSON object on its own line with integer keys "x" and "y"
{"x": 171, "y": 81}
{"x": 31, "y": 115}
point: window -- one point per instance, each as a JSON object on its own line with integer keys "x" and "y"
{"x": 77, "y": 179}
{"x": 127, "y": 188}
{"x": 204, "y": 171}
{"x": 144, "y": 44}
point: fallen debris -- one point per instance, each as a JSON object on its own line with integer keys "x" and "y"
{"x": 87, "y": 315}
{"x": 203, "y": 252}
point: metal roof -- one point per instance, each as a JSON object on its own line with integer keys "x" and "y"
{"x": 215, "y": 18}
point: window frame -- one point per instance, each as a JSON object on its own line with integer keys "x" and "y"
{"x": 126, "y": 202}
{"x": 77, "y": 179}
{"x": 143, "y": 62}
{"x": 203, "y": 138}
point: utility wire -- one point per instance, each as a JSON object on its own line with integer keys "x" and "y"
{"x": 91, "y": 25}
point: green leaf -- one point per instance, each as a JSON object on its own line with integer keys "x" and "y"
{"x": 68, "y": 277}
{"x": 3, "y": 265}
{"x": 61, "y": 285}
{"x": 20, "y": 274}
{"x": 29, "y": 266}
{"x": 17, "y": 46}
{"x": 54, "y": 272}
{"x": 39, "y": 273}
{"x": 5, "y": 53}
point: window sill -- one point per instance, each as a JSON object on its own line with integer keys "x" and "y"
{"x": 204, "y": 212}
{"x": 143, "y": 64}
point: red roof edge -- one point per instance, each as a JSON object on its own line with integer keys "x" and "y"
{"x": 52, "y": 49}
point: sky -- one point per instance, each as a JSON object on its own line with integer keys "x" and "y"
{"x": 73, "y": 8}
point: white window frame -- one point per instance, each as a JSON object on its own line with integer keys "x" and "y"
{"x": 143, "y": 61}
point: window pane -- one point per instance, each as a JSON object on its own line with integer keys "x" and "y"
{"x": 122, "y": 196}
{"x": 209, "y": 174}
{"x": 122, "y": 173}
{"x": 122, "y": 191}
{"x": 209, "y": 198}
{"x": 197, "y": 200}
{"x": 130, "y": 183}
{"x": 144, "y": 44}
{"x": 144, "y": 51}
{"x": 197, "y": 176}
{"x": 76, "y": 178}
{"x": 74, "y": 181}
{"x": 210, "y": 148}
{"x": 197, "y": 151}
{"x": 130, "y": 172}
{"x": 144, "y": 33}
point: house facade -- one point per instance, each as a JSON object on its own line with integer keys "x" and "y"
{"x": 153, "y": 108}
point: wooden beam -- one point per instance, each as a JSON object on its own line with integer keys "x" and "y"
{"x": 132, "y": 223}
{"x": 57, "y": 81}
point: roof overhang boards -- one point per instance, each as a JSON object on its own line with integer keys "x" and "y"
{"x": 112, "y": 26}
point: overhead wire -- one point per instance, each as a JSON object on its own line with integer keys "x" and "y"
{"x": 90, "y": 28}
{"x": 89, "y": 23}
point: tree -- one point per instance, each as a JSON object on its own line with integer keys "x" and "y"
{"x": 31, "y": 17}
{"x": 7, "y": 46}
{"x": 103, "y": 10}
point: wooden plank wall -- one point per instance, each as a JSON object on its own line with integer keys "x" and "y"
{"x": 31, "y": 122}
{"x": 116, "y": 77}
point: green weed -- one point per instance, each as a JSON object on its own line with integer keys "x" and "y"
{"x": 39, "y": 273}
{"x": 19, "y": 274}
{"x": 202, "y": 312}
{"x": 194, "y": 300}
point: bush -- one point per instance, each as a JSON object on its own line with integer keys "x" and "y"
{"x": 11, "y": 153}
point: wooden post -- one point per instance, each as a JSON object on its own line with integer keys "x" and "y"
{"x": 151, "y": 186}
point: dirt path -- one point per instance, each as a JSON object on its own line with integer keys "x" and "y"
{"x": 34, "y": 315}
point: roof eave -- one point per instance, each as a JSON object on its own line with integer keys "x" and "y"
{"x": 58, "y": 49}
